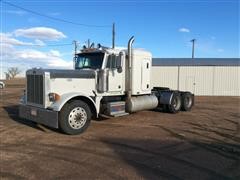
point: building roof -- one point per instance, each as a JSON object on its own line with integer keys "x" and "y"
{"x": 196, "y": 62}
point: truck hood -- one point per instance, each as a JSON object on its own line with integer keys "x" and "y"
{"x": 62, "y": 73}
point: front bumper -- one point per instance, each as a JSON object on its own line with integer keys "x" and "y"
{"x": 39, "y": 115}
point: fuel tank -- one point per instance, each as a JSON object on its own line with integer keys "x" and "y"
{"x": 139, "y": 103}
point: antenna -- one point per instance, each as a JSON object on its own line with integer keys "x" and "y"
{"x": 88, "y": 43}
{"x": 92, "y": 45}
{"x": 75, "y": 53}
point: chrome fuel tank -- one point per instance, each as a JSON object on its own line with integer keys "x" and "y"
{"x": 139, "y": 103}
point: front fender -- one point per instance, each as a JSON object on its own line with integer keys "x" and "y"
{"x": 57, "y": 106}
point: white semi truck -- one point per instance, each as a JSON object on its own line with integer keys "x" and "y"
{"x": 105, "y": 81}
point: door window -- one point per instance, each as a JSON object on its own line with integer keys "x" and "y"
{"x": 112, "y": 61}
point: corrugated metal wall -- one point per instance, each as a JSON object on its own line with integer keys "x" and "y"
{"x": 201, "y": 80}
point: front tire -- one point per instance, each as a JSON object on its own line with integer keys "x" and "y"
{"x": 75, "y": 117}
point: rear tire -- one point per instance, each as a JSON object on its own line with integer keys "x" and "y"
{"x": 75, "y": 117}
{"x": 187, "y": 101}
{"x": 175, "y": 105}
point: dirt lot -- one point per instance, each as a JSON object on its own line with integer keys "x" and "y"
{"x": 201, "y": 144}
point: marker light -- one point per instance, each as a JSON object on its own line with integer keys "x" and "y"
{"x": 53, "y": 97}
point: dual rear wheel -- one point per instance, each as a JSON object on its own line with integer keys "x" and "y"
{"x": 180, "y": 101}
{"x": 187, "y": 101}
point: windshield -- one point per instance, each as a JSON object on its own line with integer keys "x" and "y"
{"x": 89, "y": 60}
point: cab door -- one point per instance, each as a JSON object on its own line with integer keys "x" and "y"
{"x": 115, "y": 77}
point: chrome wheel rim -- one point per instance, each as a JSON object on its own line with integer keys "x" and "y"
{"x": 77, "y": 118}
{"x": 176, "y": 103}
{"x": 189, "y": 101}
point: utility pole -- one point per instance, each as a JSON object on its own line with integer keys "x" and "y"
{"x": 113, "y": 36}
{"x": 193, "y": 47}
{"x": 75, "y": 53}
{"x": 1, "y": 47}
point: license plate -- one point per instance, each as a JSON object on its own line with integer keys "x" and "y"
{"x": 33, "y": 112}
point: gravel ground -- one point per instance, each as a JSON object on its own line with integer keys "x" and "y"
{"x": 201, "y": 144}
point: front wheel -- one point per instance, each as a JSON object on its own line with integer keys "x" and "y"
{"x": 75, "y": 117}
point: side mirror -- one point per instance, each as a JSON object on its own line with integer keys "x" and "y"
{"x": 119, "y": 69}
{"x": 120, "y": 62}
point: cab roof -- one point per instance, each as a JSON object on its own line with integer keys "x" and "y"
{"x": 137, "y": 51}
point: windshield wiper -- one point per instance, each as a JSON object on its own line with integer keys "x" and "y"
{"x": 87, "y": 67}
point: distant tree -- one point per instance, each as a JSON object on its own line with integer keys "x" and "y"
{"x": 7, "y": 76}
{"x": 13, "y": 72}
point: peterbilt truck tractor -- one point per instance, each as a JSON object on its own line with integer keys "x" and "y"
{"x": 106, "y": 82}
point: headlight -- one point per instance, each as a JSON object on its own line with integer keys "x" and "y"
{"x": 53, "y": 97}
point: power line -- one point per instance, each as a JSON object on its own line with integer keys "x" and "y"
{"x": 59, "y": 44}
{"x": 44, "y": 45}
{"x": 55, "y": 18}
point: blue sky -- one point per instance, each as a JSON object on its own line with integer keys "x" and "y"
{"x": 162, "y": 27}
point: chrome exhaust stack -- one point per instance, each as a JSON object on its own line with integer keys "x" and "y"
{"x": 129, "y": 84}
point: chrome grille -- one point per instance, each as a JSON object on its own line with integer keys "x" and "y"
{"x": 35, "y": 89}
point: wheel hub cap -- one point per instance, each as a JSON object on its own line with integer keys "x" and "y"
{"x": 77, "y": 118}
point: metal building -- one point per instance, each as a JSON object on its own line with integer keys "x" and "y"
{"x": 202, "y": 76}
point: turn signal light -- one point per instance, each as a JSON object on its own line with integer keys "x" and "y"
{"x": 54, "y": 97}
